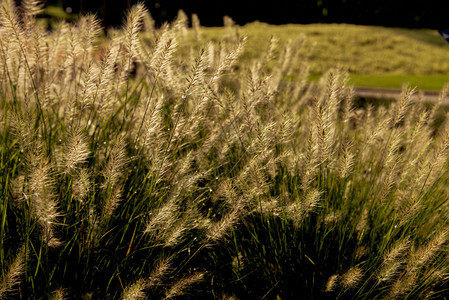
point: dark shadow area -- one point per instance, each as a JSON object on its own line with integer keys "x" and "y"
{"x": 401, "y": 13}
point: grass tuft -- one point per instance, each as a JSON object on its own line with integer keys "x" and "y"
{"x": 159, "y": 163}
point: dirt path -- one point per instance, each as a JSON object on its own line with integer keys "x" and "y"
{"x": 384, "y": 93}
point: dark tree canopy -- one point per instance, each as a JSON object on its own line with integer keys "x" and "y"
{"x": 398, "y": 13}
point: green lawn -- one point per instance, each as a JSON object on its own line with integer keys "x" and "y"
{"x": 375, "y": 56}
{"x": 422, "y": 82}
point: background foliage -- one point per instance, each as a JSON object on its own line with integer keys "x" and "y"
{"x": 398, "y": 13}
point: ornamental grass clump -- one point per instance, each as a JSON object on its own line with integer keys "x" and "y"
{"x": 152, "y": 163}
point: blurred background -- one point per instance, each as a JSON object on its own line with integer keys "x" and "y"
{"x": 394, "y": 13}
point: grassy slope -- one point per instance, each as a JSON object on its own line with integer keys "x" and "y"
{"x": 375, "y": 56}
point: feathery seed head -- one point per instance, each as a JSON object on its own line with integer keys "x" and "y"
{"x": 112, "y": 201}
{"x": 299, "y": 210}
{"x": 347, "y": 159}
{"x": 32, "y": 7}
{"x": 402, "y": 106}
{"x": 81, "y": 185}
{"x": 322, "y": 132}
{"x": 9, "y": 18}
{"x": 197, "y": 75}
{"x": 181, "y": 285}
{"x": 397, "y": 251}
{"x": 176, "y": 232}
{"x": 90, "y": 29}
{"x": 271, "y": 53}
{"x": 22, "y": 129}
{"x": 59, "y": 294}
{"x": 196, "y": 26}
{"x": 332, "y": 218}
{"x": 116, "y": 162}
{"x": 161, "y": 270}
{"x": 403, "y": 285}
{"x": 160, "y": 219}
{"x": 426, "y": 252}
{"x": 389, "y": 272}
{"x": 42, "y": 198}
{"x": 133, "y": 26}
{"x": 164, "y": 49}
{"x": 135, "y": 291}
{"x": 352, "y": 277}
{"x": 229, "y": 59}
{"x": 220, "y": 229}
{"x": 148, "y": 23}
{"x": 331, "y": 283}
{"x": 228, "y": 22}
{"x": 11, "y": 278}
{"x": 181, "y": 23}
{"x": 311, "y": 201}
{"x": 77, "y": 152}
